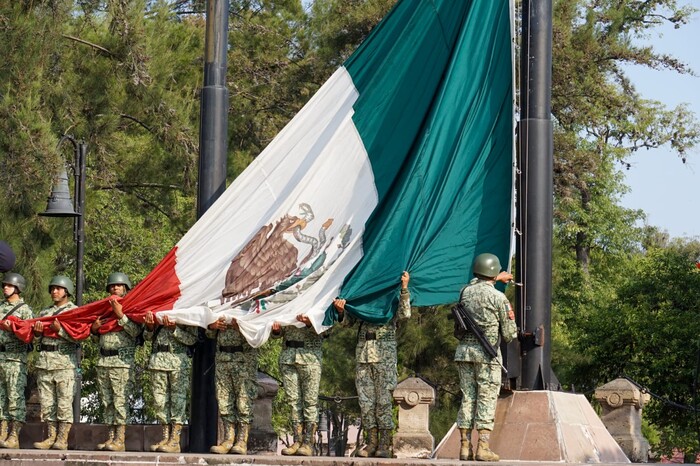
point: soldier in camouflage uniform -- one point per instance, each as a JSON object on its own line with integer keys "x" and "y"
{"x": 170, "y": 375}
{"x": 13, "y": 361}
{"x": 479, "y": 374}
{"x": 236, "y": 384}
{"x": 375, "y": 374}
{"x": 56, "y": 365}
{"x": 115, "y": 367}
{"x": 300, "y": 366}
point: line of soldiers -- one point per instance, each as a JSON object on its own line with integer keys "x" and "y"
{"x": 236, "y": 369}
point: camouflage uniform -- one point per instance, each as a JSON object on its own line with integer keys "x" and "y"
{"x": 375, "y": 372}
{"x": 170, "y": 371}
{"x": 115, "y": 370}
{"x": 13, "y": 366}
{"x": 56, "y": 365}
{"x": 236, "y": 375}
{"x": 300, "y": 366}
{"x": 479, "y": 375}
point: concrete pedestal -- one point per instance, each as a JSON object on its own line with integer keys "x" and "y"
{"x": 545, "y": 426}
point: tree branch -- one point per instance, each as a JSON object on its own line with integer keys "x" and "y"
{"x": 95, "y": 46}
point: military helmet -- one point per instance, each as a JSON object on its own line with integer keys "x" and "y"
{"x": 118, "y": 278}
{"x": 63, "y": 282}
{"x": 486, "y": 265}
{"x": 15, "y": 280}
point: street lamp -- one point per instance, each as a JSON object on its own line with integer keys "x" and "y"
{"x": 60, "y": 205}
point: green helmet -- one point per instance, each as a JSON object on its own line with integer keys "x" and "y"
{"x": 63, "y": 282}
{"x": 118, "y": 278}
{"x": 486, "y": 265}
{"x": 15, "y": 280}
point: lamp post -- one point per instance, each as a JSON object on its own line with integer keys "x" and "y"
{"x": 60, "y": 205}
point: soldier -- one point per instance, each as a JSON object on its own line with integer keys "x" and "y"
{"x": 13, "y": 361}
{"x": 300, "y": 366}
{"x": 375, "y": 374}
{"x": 7, "y": 257}
{"x": 56, "y": 365}
{"x": 115, "y": 367}
{"x": 236, "y": 384}
{"x": 170, "y": 372}
{"x": 479, "y": 374}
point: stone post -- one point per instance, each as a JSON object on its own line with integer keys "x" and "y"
{"x": 413, "y": 439}
{"x": 622, "y": 404}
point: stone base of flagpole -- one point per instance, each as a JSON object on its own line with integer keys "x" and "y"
{"x": 544, "y": 426}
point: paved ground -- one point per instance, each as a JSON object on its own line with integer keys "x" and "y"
{"x": 92, "y": 458}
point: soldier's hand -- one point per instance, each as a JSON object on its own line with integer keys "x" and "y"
{"x": 149, "y": 320}
{"x": 339, "y": 305}
{"x": 504, "y": 277}
{"x": 234, "y": 324}
{"x": 6, "y": 325}
{"x": 168, "y": 323}
{"x": 218, "y": 324}
{"x": 276, "y": 327}
{"x": 304, "y": 320}
{"x": 38, "y": 327}
{"x": 117, "y": 308}
{"x": 96, "y": 326}
{"x": 405, "y": 277}
{"x": 56, "y": 325}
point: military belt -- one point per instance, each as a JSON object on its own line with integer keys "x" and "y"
{"x": 108, "y": 352}
{"x": 169, "y": 349}
{"x": 48, "y": 348}
{"x": 231, "y": 349}
{"x": 294, "y": 344}
{"x": 17, "y": 348}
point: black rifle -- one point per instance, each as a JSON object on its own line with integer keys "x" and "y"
{"x": 467, "y": 324}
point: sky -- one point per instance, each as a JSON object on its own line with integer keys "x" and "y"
{"x": 667, "y": 190}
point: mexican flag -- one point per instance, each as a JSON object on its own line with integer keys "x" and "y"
{"x": 403, "y": 160}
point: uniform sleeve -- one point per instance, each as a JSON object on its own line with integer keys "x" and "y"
{"x": 507, "y": 325}
{"x": 186, "y": 335}
{"x": 404, "y": 310}
{"x": 211, "y": 334}
{"x": 129, "y": 326}
{"x": 63, "y": 334}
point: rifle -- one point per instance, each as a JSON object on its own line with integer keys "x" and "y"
{"x": 467, "y": 323}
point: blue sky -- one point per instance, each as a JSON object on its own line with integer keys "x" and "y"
{"x": 667, "y": 190}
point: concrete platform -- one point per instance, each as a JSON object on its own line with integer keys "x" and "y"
{"x": 92, "y": 458}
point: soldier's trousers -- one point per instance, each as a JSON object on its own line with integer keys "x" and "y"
{"x": 13, "y": 379}
{"x": 170, "y": 395}
{"x": 301, "y": 384}
{"x": 56, "y": 394}
{"x": 375, "y": 383}
{"x": 236, "y": 390}
{"x": 115, "y": 385}
{"x": 480, "y": 384}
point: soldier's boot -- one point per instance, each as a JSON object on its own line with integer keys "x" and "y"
{"x": 173, "y": 445}
{"x": 483, "y": 452}
{"x": 4, "y": 430}
{"x": 298, "y": 438}
{"x": 12, "y": 440}
{"x": 50, "y": 439}
{"x": 118, "y": 444}
{"x": 372, "y": 443}
{"x": 386, "y": 444}
{"x": 110, "y": 439}
{"x": 241, "y": 445}
{"x": 164, "y": 440}
{"x": 465, "y": 450}
{"x": 307, "y": 448}
{"x": 61, "y": 442}
{"x": 227, "y": 442}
